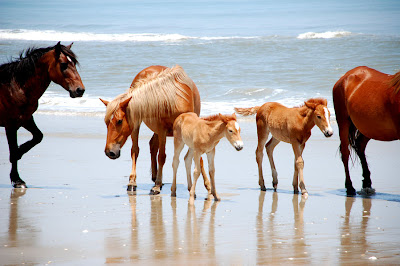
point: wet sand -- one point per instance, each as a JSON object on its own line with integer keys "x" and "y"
{"x": 77, "y": 212}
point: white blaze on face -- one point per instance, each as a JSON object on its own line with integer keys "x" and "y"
{"x": 237, "y": 126}
{"x": 328, "y": 119}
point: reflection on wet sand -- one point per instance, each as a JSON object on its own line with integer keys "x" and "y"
{"x": 353, "y": 239}
{"x": 19, "y": 229}
{"x": 188, "y": 240}
{"x": 273, "y": 247}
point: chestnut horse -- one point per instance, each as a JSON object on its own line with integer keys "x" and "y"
{"x": 367, "y": 106}
{"x": 291, "y": 125}
{"x": 157, "y": 96}
{"x": 22, "y": 83}
{"x": 201, "y": 135}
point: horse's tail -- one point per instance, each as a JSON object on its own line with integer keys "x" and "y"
{"x": 247, "y": 111}
{"x": 205, "y": 178}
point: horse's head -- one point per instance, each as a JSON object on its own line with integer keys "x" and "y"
{"x": 321, "y": 115}
{"x": 232, "y": 130}
{"x": 118, "y": 129}
{"x": 62, "y": 69}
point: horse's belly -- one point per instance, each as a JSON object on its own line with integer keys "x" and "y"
{"x": 381, "y": 129}
{"x": 280, "y": 135}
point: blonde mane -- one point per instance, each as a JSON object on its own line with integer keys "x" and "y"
{"x": 155, "y": 95}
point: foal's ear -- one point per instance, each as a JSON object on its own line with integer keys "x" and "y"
{"x": 310, "y": 105}
{"x": 104, "y": 101}
{"x": 125, "y": 103}
{"x": 234, "y": 116}
{"x": 57, "y": 49}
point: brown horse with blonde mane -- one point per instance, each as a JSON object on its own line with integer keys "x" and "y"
{"x": 367, "y": 106}
{"x": 157, "y": 96}
{"x": 291, "y": 125}
{"x": 201, "y": 135}
{"x": 22, "y": 83}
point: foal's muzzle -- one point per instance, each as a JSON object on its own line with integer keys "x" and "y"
{"x": 238, "y": 145}
{"x": 328, "y": 133}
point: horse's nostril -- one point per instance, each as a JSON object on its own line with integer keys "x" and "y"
{"x": 80, "y": 91}
{"x": 111, "y": 154}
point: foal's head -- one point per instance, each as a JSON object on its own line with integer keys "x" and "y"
{"x": 232, "y": 130}
{"x": 321, "y": 115}
{"x": 62, "y": 69}
{"x": 118, "y": 129}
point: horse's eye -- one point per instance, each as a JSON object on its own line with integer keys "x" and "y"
{"x": 230, "y": 130}
{"x": 319, "y": 117}
{"x": 119, "y": 122}
{"x": 63, "y": 66}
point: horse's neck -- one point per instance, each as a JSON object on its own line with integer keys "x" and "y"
{"x": 36, "y": 85}
{"x": 216, "y": 129}
{"x": 307, "y": 119}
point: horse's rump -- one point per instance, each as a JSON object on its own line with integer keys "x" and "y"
{"x": 247, "y": 111}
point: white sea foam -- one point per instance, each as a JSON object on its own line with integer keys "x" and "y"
{"x": 51, "y": 35}
{"x": 323, "y": 35}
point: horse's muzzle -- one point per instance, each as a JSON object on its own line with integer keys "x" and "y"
{"x": 114, "y": 152}
{"x": 328, "y": 133}
{"x": 76, "y": 93}
{"x": 238, "y": 145}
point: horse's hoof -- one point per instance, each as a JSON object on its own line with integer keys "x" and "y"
{"x": 263, "y": 189}
{"x": 173, "y": 194}
{"x": 366, "y": 191}
{"x": 351, "y": 192}
{"x": 19, "y": 185}
{"x": 304, "y": 194}
{"x": 131, "y": 188}
{"x": 155, "y": 191}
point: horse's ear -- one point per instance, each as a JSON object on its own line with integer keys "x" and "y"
{"x": 69, "y": 46}
{"x": 310, "y": 105}
{"x": 125, "y": 103}
{"x": 104, "y": 101}
{"x": 234, "y": 116}
{"x": 57, "y": 49}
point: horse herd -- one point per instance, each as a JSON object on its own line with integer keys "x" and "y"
{"x": 366, "y": 103}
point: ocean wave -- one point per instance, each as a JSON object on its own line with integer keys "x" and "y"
{"x": 51, "y": 35}
{"x": 323, "y": 35}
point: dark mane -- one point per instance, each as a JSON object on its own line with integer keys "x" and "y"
{"x": 23, "y": 67}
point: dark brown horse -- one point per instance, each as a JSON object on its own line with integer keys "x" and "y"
{"x": 367, "y": 106}
{"x": 22, "y": 83}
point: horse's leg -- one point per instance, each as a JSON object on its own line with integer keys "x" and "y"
{"x": 344, "y": 129}
{"x": 153, "y": 153}
{"x": 299, "y": 166}
{"x": 196, "y": 174}
{"x": 16, "y": 181}
{"x": 134, "y": 155}
{"x": 178, "y": 146}
{"x": 211, "y": 169}
{"x": 361, "y": 144}
{"x": 37, "y": 137}
{"x": 207, "y": 184}
{"x": 188, "y": 165}
{"x": 262, "y": 134}
{"x": 270, "y": 151}
{"x": 162, "y": 139}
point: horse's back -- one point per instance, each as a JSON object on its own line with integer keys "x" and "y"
{"x": 362, "y": 95}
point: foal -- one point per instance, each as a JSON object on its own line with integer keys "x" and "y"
{"x": 202, "y": 135}
{"x": 291, "y": 125}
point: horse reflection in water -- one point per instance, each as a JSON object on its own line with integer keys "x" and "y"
{"x": 168, "y": 241}
{"x": 269, "y": 248}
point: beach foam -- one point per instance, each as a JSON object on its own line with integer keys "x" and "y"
{"x": 323, "y": 35}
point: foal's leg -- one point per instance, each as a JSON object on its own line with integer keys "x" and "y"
{"x": 188, "y": 165}
{"x": 262, "y": 133}
{"x": 178, "y": 146}
{"x": 211, "y": 169}
{"x": 162, "y": 139}
{"x": 153, "y": 154}
{"x": 196, "y": 174}
{"x": 299, "y": 166}
{"x": 270, "y": 151}
{"x": 361, "y": 144}
{"x": 134, "y": 155}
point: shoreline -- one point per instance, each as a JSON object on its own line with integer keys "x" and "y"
{"x": 76, "y": 209}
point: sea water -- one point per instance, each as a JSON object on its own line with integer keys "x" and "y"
{"x": 239, "y": 53}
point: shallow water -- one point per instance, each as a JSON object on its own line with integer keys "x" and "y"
{"x": 77, "y": 211}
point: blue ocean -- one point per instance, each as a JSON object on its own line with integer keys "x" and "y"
{"x": 239, "y": 53}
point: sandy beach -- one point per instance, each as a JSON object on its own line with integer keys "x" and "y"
{"x": 76, "y": 210}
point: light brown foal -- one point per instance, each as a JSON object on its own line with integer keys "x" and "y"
{"x": 201, "y": 135}
{"x": 291, "y": 125}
